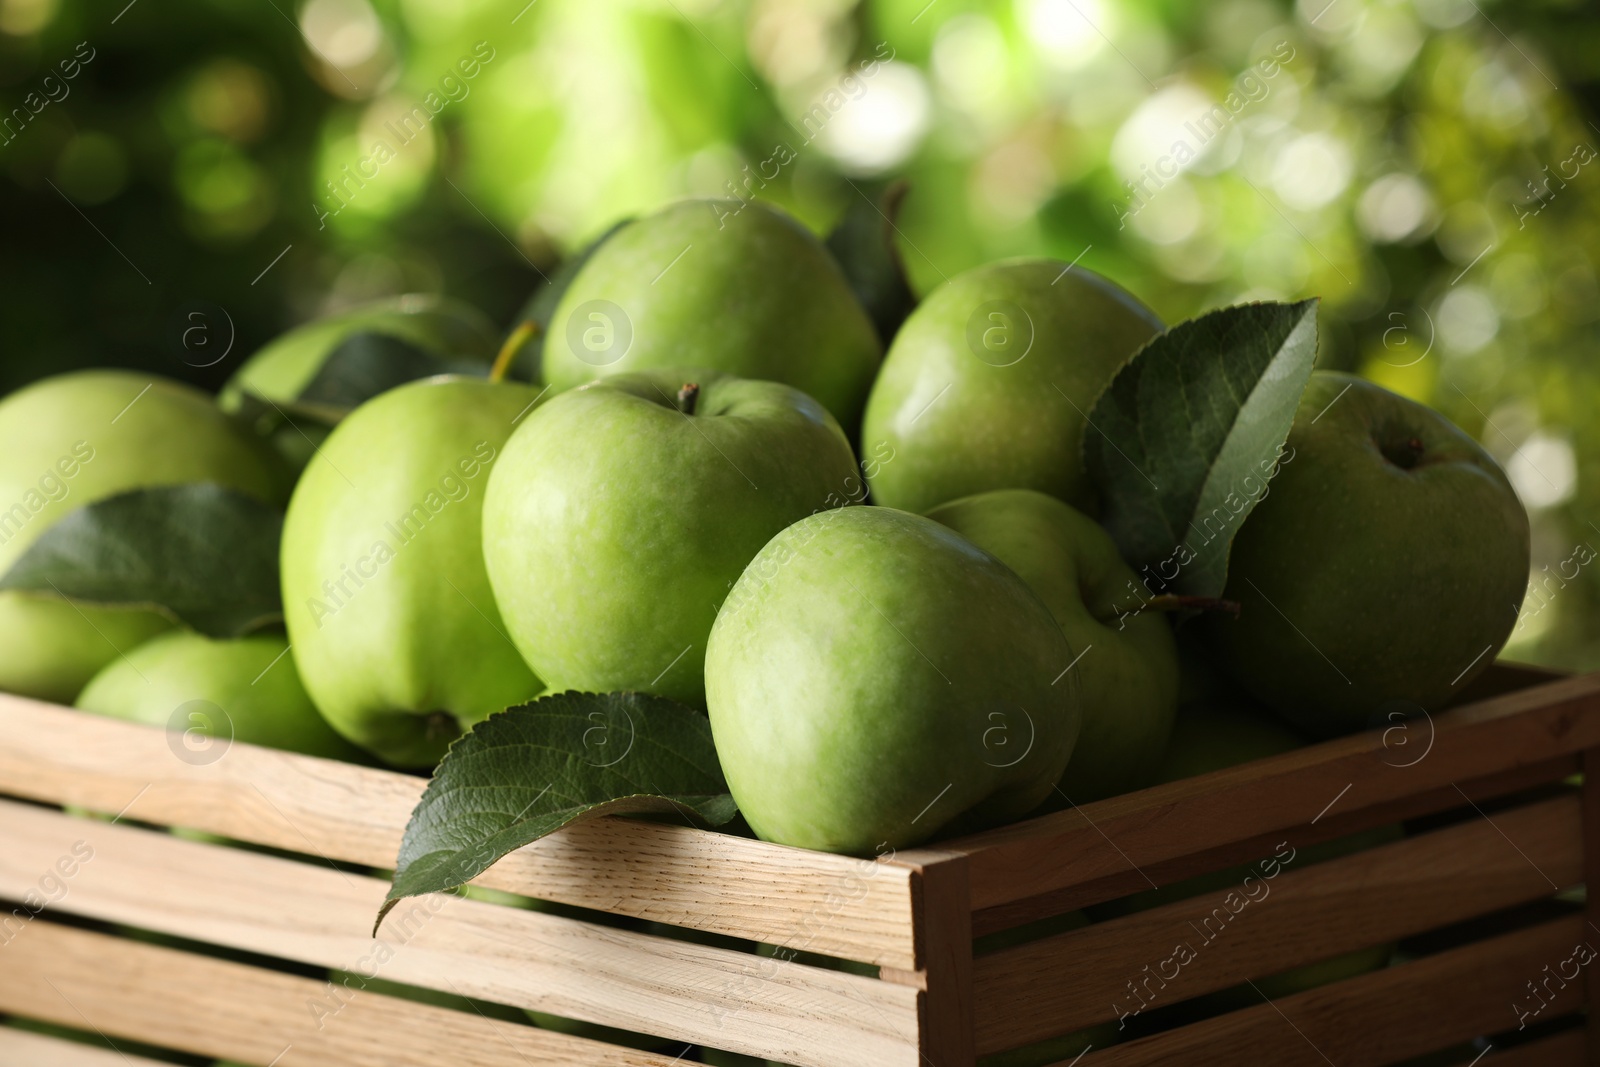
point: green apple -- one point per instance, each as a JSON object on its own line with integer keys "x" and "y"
{"x": 388, "y": 606}
{"x": 622, "y": 512}
{"x": 1200, "y": 679}
{"x": 77, "y": 438}
{"x": 1212, "y": 734}
{"x": 989, "y": 383}
{"x": 50, "y": 648}
{"x": 1128, "y": 671}
{"x": 874, "y": 677}
{"x": 241, "y": 689}
{"x": 716, "y": 284}
{"x": 1382, "y": 571}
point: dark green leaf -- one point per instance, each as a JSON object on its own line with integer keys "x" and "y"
{"x": 1183, "y": 441}
{"x": 863, "y": 243}
{"x": 529, "y": 771}
{"x": 266, "y": 417}
{"x": 205, "y": 555}
{"x": 367, "y": 363}
{"x": 541, "y": 306}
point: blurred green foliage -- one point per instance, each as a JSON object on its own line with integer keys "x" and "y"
{"x": 1428, "y": 167}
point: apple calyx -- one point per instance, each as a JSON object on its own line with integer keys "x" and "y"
{"x": 437, "y": 724}
{"x": 1405, "y": 454}
{"x": 508, "y": 351}
{"x": 688, "y": 396}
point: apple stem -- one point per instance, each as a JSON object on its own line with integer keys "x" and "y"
{"x": 508, "y": 351}
{"x": 1175, "y": 602}
{"x": 687, "y": 397}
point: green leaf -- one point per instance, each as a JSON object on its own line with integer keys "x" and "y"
{"x": 863, "y": 243}
{"x": 266, "y": 417}
{"x": 531, "y": 770}
{"x": 1184, "y": 439}
{"x": 204, "y": 555}
{"x": 541, "y": 306}
{"x": 367, "y": 363}
{"x": 364, "y": 364}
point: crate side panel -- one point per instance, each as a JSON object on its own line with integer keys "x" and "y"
{"x": 1566, "y": 1049}
{"x": 1269, "y": 924}
{"x": 1590, "y": 792}
{"x": 1152, "y": 827}
{"x": 1380, "y": 1018}
{"x": 1332, "y": 827}
{"x": 216, "y": 1008}
{"x": 835, "y": 905}
{"x": 315, "y": 914}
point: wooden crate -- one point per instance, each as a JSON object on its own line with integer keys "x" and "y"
{"x": 304, "y": 904}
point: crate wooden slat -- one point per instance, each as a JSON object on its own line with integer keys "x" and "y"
{"x": 315, "y": 914}
{"x": 1173, "y": 831}
{"x": 1057, "y": 985}
{"x": 1232, "y": 853}
{"x": 19, "y": 1048}
{"x": 1566, "y": 1049}
{"x": 212, "y": 1007}
{"x": 1378, "y": 1018}
{"x": 836, "y": 905}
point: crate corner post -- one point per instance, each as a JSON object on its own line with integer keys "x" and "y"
{"x": 943, "y": 905}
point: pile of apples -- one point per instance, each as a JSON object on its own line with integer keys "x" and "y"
{"x": 874, "y": 562}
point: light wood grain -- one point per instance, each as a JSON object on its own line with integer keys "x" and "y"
{"x": 1379, "y": 1018}
{"x": 1154, "y": 830}
{"x": 210, "y": 1007}
{"x": 18, "y": 1048}
{"x": 1071, "y": 981}
{"x": 835, "y": 905}
{"x": 314, "y": 914}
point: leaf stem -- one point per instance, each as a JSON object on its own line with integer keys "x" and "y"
{"x": 1174, "y": 602}
{"x": 688, "y": 396}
